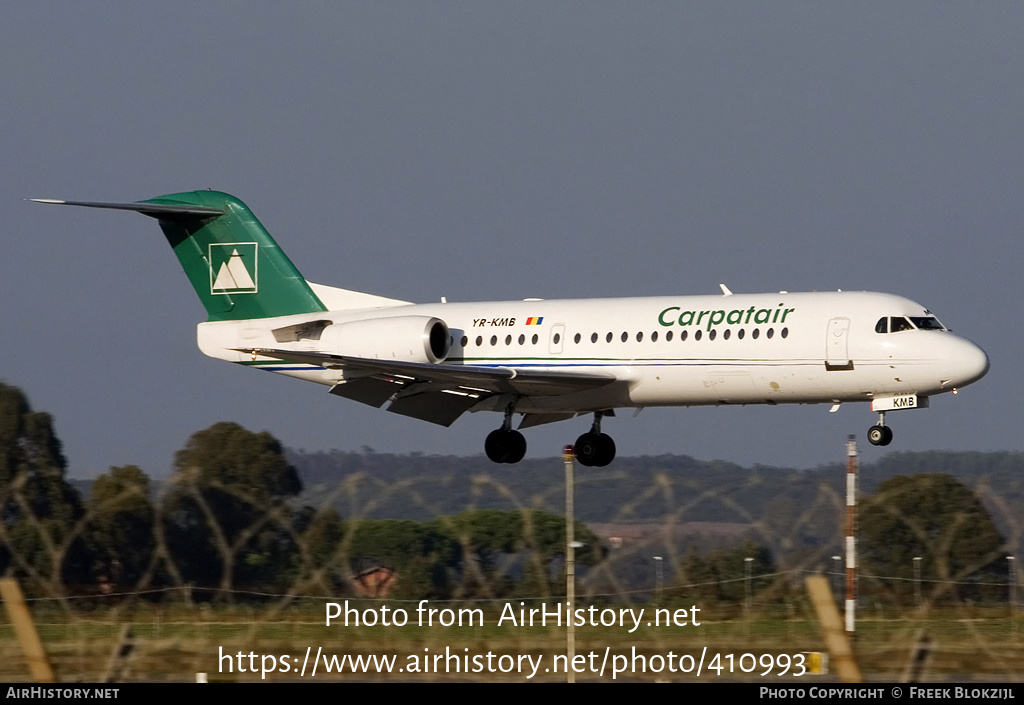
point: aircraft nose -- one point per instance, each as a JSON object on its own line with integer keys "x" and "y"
{"x": 970, "y": 363}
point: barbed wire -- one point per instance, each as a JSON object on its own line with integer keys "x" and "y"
{"x": 306, "y": 559}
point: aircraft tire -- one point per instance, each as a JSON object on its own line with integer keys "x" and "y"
{"x": 517, "y": 447}
{"x": 595, "y": 449}
{"x": 605, "y": 450}
{"x": 497, "y": 445}
{"x": 879, "y": 435}
{"x": 505, "y": 446}
{"x": 586, "y": 449}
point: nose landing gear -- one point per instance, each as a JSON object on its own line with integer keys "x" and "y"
{"x": 595, "y": 449}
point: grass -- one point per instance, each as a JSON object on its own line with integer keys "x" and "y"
{"x": 174, "y": 642}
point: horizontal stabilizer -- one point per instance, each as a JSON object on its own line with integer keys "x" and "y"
{"x": 153, "y": 210}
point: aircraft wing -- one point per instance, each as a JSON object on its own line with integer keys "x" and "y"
{"x": 438, "y": 393}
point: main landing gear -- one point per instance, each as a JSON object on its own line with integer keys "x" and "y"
{"x": 505, "y": 445}
{"x": 880, "y": 434}
{"x": 595, "y": 449}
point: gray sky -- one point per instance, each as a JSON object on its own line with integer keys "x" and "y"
{"x": 498, "y": 151}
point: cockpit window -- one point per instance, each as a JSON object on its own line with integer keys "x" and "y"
{"x": 899, "y": 323}
{"x": 895, "y": 324}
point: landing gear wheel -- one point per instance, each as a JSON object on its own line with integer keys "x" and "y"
{"x": 517, "y": 447}
{"x": 606, "y": 447}
{"x": 595, "y": 449}
{"x": 505, "y": 446}
{"x": 879, "y": 435}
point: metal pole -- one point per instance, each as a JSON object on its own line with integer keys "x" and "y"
{"x": 851, "y": 531}
{"x": 659, "y": 580}
{"x": 1013, "y": 593}
{"x": 837, "y": 568}
{"x": 746, "y": 574}
{"x": 568, "y": 455}
{"x": 917, "y": 581}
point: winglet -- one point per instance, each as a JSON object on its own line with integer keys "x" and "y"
{"x": 725, "y": 290}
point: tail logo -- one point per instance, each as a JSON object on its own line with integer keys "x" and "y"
{"x": 233, "y": 268}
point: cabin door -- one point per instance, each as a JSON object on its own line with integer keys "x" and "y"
{"x": 837, "y": 354}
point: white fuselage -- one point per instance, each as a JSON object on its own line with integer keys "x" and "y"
{"x": 670, "y": 351}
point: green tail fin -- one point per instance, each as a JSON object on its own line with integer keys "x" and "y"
{"x": 234, "y": 265}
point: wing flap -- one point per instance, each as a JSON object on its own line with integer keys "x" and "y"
{"x": 497, "y": 380}
{"x": 440, "y": 393}
{"x": 441, "y": 408}
{"x": 367, "y": 390}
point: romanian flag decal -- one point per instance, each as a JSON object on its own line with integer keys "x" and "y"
{"x": 534, "y": 320}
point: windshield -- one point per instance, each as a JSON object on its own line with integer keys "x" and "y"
{"x": 927, "y": 323}
{"x": 898, "y": 323}
{"x": 895, "y": 324}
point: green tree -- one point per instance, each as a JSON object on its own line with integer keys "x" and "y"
{"x": 940, "y": 520}
{"x": 422, "y": 557}
{"x": 226, "y": 516}
{"x": 721, "y": 575}
{"x": 495, "y": 541}
{"x": 321, "y": 534}
{"x": 40, "y": 513}
{"x": 121, "y": 527}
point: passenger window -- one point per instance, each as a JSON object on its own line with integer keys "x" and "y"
{"x": 593, "y": 338}
{"x": 522, "y": 339}
{"x": 712, "y": 334}
{"x": 726, "y": 334}
{"x": 654, "y": 337}
{"x": 668, "y": 336}
{"x": 697, "y": 335}
{"x": 577, "y": 339}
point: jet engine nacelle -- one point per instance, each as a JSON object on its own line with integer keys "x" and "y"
{"x": 406, "y": 338}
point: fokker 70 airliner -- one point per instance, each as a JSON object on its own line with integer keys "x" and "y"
{"x": 550, "y": 360}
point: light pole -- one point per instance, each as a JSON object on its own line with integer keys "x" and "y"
{"x": 836, "y": 573}
{"x": 659, "y": 580}
{"x": 1012, "y": 596}
{"x": 917, "y": 580}
{"x": 746, "y": 570}
{"x": 569, "y": 458}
